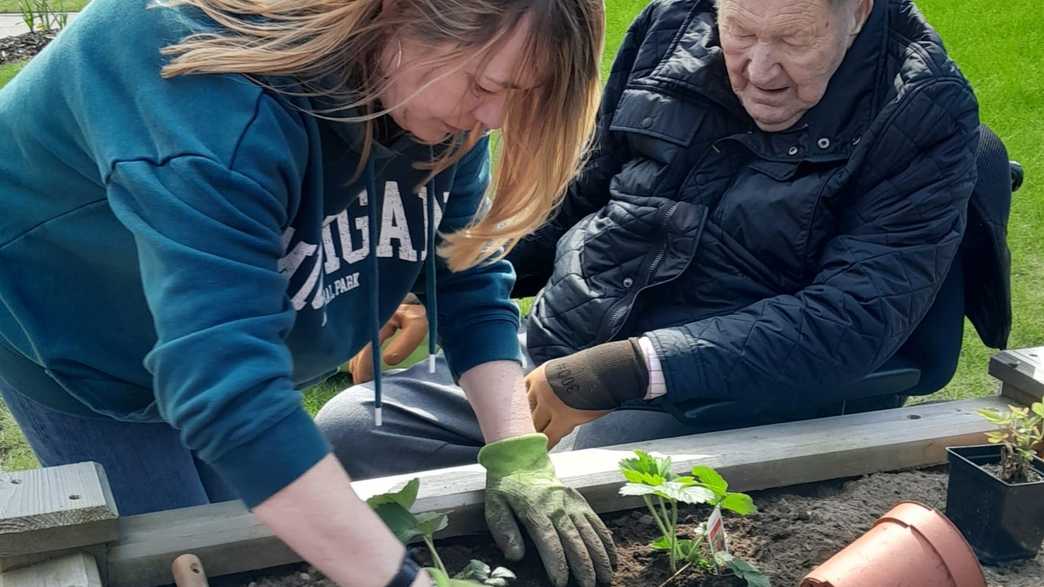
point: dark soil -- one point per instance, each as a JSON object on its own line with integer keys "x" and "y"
{"x": 995, "y": 470}
{"x": 795, "y": 529}
{"x": 23, "y": 47}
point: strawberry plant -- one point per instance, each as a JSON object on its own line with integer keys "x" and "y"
{"x": 650, "y": 477}
{"x": 1021, "y": 435}
{"x": 394, "y": 509}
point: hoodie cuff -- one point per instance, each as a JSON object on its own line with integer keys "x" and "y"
{"x": 275, "y": 458}
{"x": 494, "y": 340}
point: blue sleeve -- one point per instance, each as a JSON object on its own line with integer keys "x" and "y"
{"x": 898, "y": 234}
{"x": 208, "y": 235}
{"x": 478, "y": 321}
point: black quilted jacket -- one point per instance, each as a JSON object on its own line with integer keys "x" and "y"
{"x": 768, "y": 269}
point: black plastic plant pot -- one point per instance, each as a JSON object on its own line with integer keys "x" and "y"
{"x": 1002, "y": 521}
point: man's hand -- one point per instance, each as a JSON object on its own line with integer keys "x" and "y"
{"x": 551, "y": 415}
{"x": 521, "y": 486}
{"x": 411, "y": 323}
{"x": 576, "y": 389}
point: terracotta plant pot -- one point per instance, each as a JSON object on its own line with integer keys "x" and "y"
{"x": 911, "y": 545}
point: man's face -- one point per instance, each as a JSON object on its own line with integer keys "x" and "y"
{"x": 781, "y": 54}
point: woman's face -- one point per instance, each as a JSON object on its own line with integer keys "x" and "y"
{"x": 781, "y": 54}
{"x": 451, "y": 98}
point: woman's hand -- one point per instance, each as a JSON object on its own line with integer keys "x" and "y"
{"x": 324, "y": 521}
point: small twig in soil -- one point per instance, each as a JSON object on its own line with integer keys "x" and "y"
{"x": 675, "y": 575}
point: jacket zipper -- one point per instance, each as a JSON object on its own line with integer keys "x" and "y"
{"x": 619, "y": 310}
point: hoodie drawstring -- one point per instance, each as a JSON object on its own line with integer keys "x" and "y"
{"x": 430, "y": 289}
{"x": 431, "y": 305}
{"x": 375, "y": 292}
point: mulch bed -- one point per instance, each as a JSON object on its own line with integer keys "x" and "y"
{"x": 25, "y": 46}
{"x": 795, "y": 529}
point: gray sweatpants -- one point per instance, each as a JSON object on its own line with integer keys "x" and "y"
{"x": 428, "y": 424}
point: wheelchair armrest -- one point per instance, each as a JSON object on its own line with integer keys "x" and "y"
{"x": 895, "y": 377}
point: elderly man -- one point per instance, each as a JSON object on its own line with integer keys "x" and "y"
{"x": 776, "y": 195}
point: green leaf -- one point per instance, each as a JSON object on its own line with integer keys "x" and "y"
{"x": 756, "y": 580}
{"x": 690, "y": 550}
{"x": 711, "y": 479}
{"x": 639, "y": 489}
{"x": 399, "y": 520}
{"x": 405, "y": 497}
{"x": 684, "y": 493}
{"x": 723, "y": 559}
{"x": 643, "y": 478}
{"x": 479, "y": 571}
{"x": 648, "y": 464}
{"x": 441, "y": 579}
{"x": 993, "y": 416}
{"x": 741, "y": 503}
{"x": 661, "y": 543}
{"x": 996, "y": 437}
{"x": 475, "y": 569}
{"x": 1026, "y": 454}
{"x": 1038, "y": 409}
{"x": 744, "y": 570}
{"x": 429, "y": 523}
{"x": 503, "y": 573}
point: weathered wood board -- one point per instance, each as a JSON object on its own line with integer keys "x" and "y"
{"x": 55, "y": 508}
{"x": 72, "y": 570}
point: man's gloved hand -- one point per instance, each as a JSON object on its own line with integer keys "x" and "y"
{"x": 573, "y": 390}
{"x": 570, "y": 537}
{"x": 411, "y": 323}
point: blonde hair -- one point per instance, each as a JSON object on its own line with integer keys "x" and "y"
{"x": 546, "y": 130}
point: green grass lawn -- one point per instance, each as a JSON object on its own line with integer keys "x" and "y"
{"x": 998, "y": 54}
{"x": 1001, "y": 50}
{"x": 8, "y": 71}
{"x": 56, "y": 5}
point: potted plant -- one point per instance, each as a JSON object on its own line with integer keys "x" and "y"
{"x": 650, "y": 477}
{"x": 996, "y": 490}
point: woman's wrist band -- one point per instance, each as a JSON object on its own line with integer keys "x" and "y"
{"x": 407, "y": 573}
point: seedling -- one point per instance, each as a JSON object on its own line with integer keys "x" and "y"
{"x": 650, "y": 477}
{"x": 394, "y": 509}
{"x": 1021, "y": 436}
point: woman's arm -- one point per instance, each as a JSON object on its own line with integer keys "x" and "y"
{"x": 324, "y": 521}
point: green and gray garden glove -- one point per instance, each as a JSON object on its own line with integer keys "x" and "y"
{"x": 521, "y": 486}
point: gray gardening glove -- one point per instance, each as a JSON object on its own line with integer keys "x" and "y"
{"x": 570, "y": 537}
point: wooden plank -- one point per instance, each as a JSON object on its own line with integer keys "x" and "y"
{"x": 1021, "y": 373}
{"x": 229, "y": 539}
{"x": 55, "y": 508}
{"x": 225, "y": 536}
{"x": 73, "y": 570}
{"x": 100, "y": 552}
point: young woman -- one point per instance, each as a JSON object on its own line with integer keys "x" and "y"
{"x": 211, "y": 203}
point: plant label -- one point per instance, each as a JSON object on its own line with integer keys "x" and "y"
{"x": 716, "y": 532}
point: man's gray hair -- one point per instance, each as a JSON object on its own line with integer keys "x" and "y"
{"x": 834, "y": 3}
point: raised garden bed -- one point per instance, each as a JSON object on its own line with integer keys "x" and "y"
{"x": 791, "y": 470}
{"x": 795, "y": 529}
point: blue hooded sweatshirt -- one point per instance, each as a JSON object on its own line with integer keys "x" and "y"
{"x": 193, "y": 250}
